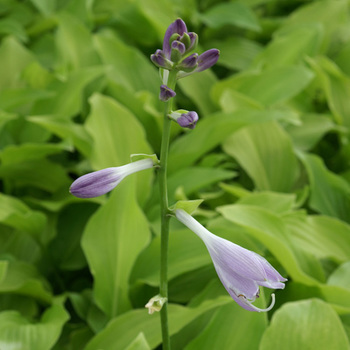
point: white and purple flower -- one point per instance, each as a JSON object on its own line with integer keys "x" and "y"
{"x": 102, "y": 181}
{"x": 240, "y": 270}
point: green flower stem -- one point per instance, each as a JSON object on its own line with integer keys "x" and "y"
{"x": 165, "y": 218}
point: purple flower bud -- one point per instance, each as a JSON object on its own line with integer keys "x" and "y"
{"x": 177, "y": 50}
{"x": 160, "y": 61}
{"x": 177, "y": 27}
{"x": 166, "y": 93}
{"x": 207, "y": 59}
{"x": 194, "y": 41}
{"x": 102, "y": 181}
{"x": 189, "y": 63}
{"x": 241, "y": 271}
{"x": 188, "y": 120}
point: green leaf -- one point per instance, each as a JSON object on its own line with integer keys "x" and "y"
{"x": 128, "y": 66}
{"x": 235, "y": 52}
{"x": 16, "y": 332}
{"x": 113, "y": 238}
{"x": 331, "y": 14}
{"x": 197, "y": 87}
{"x": 74, "y": 43}
{"x": 46, "y": 7}
{"x": 248, "y": 330}
{"x": 268, "y": 87}
{"x": 193, "y": 179}
{"x": 182, "y": 257}
{"x": 140, "y": 343}
{"x": 23, "y": 279}
{"x": 116, "y": 134}
{"x": 211, "y": 132}
{"x": 265, "y": 152}
{"x": 14, "y": 58}
{"x": 123, "y": 329}
{"x": 330, "y": 194}
{"x": 234, "y": 13}
{"x": 21, "y": 244}
{"x": 65, "y": 248}
{"x": 67, "y": 130}
{"x": 315, "y": 234}
{"x": 310, "y": 131}
{"x": 291, "y": 46}
{"x": 14, "y": 213}
{"x": 40, "y": 173}
{"x": 309, "y": 324}
{"x": 67, "y": 99}
{"x": 336, "y": 86}
{"x": 279, "y": 203}
{"x": 188, "y": 206}
{"x": 10, "y": 26}
{"x": 341, "y": 276}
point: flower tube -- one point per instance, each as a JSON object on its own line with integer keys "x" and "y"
{"x": 102, "y": 181}
{"x": 241, "y": 271}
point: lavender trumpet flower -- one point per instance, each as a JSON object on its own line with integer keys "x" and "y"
{"x": 102, "y": 181}
{"x": 241, "y": 271}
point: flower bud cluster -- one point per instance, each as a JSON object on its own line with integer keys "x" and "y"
{"x": 176, "y": 53}
{"x": 177, "y": 56}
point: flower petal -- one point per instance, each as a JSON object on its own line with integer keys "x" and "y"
{"x": 179, "y": 27}
{"x": 102, "y": 181}
{"x": 96, "y": 183}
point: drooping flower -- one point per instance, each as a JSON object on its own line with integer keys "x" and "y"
{"x": 102, "y": 181}
{"x": 185, "y": 118}
{"x": 241, "y": 271}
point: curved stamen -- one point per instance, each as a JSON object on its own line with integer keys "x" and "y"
{"x": 247, "y": 302}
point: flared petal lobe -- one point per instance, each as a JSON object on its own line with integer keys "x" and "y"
{"x": 102, "y": 181}
{"x": 240, "y": 270}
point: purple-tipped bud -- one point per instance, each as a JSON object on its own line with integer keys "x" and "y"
{"x": 194, "y": 41}
{"x": 166, "y": 93}
{"x": 207, "y": 59}
{"x": 178, "y": 27}
{"x": 189, "y": 63}
{"x": 177, "y": 50}
{"x": 160, "y": 60}
{"x": 188, "y": 120}
{"x": 102, "y": 181}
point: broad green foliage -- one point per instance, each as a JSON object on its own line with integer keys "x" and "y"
{"x": 269, "y": 159}
{"x": 305, "y": 324}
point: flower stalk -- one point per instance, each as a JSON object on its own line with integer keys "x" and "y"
{"x": 164, "y": 208}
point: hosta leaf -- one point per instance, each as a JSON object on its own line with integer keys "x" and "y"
{"x": 123, "y": 329}
{"x": 329, "y": 192}
{"x": 234, "y": 13}
{"x": 113, "y": 238}
{"x": 265, "y": 152}
{"x": 16, "y": 332}
{"x": 305, "y": 324}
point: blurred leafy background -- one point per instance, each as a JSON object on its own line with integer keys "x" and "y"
{"x": 270, "y": 156}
